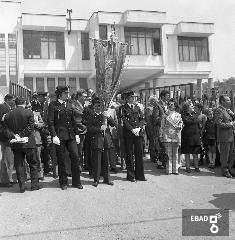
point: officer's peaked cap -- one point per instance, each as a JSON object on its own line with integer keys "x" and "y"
{"x": 97, "y": 100}
{"x": 128, "y": 94}
{"x": 43, "y": 94}
{"x": 61, "y": 89}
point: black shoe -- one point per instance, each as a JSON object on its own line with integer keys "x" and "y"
{"x": 79, "y": 186}
{"x": 142, "y": 179}
{"x": 22, "y": 190}
{"x": 95, "y": 184}
{"x": 64, "y": 187}
{"x": 175, "y": 173}
{"x": 131, "y": 180}
{"x": 108, "y": 183}
{"x": 36, "y": 188}
{"x": 188, "y": 170}
{"x": 41, "y": 178}
{"x": 197, "y": 170}
{"x": 227, "y": 175}
{"x": 160, "y": 167}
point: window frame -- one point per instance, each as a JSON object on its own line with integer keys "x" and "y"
{"x": 38, "y": 35}
{"x": 148, "y": 34}
{"x": 85, "y": 45}
{"x": 198, "y": 42}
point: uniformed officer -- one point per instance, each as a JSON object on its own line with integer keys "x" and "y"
{"x": 101, "y": 142}
{"x": 133, "y": 123}
{"x": 64, "y": 134}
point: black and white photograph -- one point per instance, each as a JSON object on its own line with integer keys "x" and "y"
{"x": 117, "y": 119}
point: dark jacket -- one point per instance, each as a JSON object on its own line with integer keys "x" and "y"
{"x": 190, "y": 135}
{"x": 78, "y": 114}
{"x": 61, "y": 121}
{"x": 4, "y": 109}
{"x": 36, "y": 106}
{"x": 21, "y": 121}
{"x": 99, "y": 139}
{"x": 131, "y": 118}
{"x": 223, "y": 121}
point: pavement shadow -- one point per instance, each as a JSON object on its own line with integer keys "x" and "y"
{"x": 224, "y": 201}
{"x": 151, "y": 168}
{"x": 204, "y": 171}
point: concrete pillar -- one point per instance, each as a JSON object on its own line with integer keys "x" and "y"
{"x": 199, "y": 88}
{"x": 155, "y": 82}
{"x": 210, "y": 83}
{"x": 146, "y": 86}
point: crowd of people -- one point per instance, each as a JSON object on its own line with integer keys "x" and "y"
{"x": 71, "y": 134}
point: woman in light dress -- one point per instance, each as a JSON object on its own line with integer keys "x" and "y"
{"x": 170, "y": 131}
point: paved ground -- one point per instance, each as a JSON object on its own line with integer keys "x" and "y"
{"x": 135, "y": 211}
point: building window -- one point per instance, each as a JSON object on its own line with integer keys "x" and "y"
{"x": 51, "y": 85}
{"x": 72, "y": 85}
{"x": 2, "y": 60}
{"x": 143, "y": 41}
{"x": 83, "y": 83}
{"x": 44, "y": 45}
{"x": 28, "y": 82}
{"x": 103, "y": 32}
{"x": 40, "y": 84}
{"x": 12, "y": 57}
{"x": 85, "y": 46}
{"x": 193, "y": 49}
{"x": 61, "y": 82}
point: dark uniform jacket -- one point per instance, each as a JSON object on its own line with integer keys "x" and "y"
{"x": 21, "y": 121}
{"x": 61, "y": 121}
{"x": 99, "y": 139}
{"x": 131, "y": 118}
{"x": 78, "y": 114}
{"x": 36, "y": 106}
{"x": 223, "y": 120}
{"x": 4, "y": 109}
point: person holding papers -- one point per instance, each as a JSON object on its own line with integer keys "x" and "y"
{"x": 133, "y": 123}
{"x": 20, "y": 123}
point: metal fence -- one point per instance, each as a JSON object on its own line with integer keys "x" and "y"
{"x": 178, "y": 92}
{"x": 19, "y": 91}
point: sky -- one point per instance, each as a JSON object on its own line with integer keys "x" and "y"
{"x": 219, "y": 12}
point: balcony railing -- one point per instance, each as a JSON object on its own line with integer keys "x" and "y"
{"x": 19, "y": 91}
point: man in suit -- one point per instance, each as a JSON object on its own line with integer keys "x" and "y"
{"x": 159, "y": 111}
{"x": 63, "y": 130}
{"x": 20, "y": 122}
{"x": 7, "y": 161}
{"x": 152, "y": 128}
{"x": 78, "y": 101}
{"x": 225, "y": 123}
{"x": 133, "y": 123}
{"x": 87, "y": 112}
{"x": 101, "y": 142}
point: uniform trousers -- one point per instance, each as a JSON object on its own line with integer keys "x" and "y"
{"x": 87, "y": 154}
{"x": 100, "y": 164}
{"x": 134, "y": 150}
{"x": 19, "y": 158}
{"x": 80, "y": 149}
{"x": 71, "y": 147}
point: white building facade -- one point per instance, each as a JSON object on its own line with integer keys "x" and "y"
{"x": 41, "y": 51}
